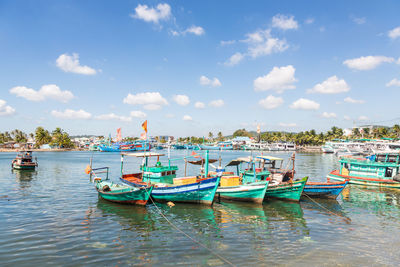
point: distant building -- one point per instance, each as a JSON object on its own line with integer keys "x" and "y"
{"x": 165, "y": 138}
{"x": 370, "y": 127}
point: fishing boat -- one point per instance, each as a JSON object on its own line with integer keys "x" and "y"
{"x": 139, "y": 145}
{"x": 283, "y": 185}
{"x": 167, "y": 186}
{"x": 248, "y": 185}
{"x": 118, "y": 193}
{"x": 381, "y": 169}
{"x": 324, "y": 189}
{"x": 24, "y": 161}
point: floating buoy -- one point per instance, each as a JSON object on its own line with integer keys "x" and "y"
{"x": 170, "y": 204}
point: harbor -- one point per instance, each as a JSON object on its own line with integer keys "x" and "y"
{"x": 53, "y": 214}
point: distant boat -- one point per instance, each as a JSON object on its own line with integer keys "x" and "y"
{"x": 324, "y": 189}
{"x": 139, "y": 145}
{"x": 24, "y": 161}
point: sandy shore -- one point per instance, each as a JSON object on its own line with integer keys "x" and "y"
{"x": 42, "y": 150}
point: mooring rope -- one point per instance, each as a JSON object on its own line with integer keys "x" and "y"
{"x": 344, "y": 217}
{"x": 188, "y": 236}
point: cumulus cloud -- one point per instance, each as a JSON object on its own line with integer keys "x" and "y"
{"x": 138, "y": 114}
{"x": 182, "y": 100}
{"x": 305, "y": 104}
{"x": 353, "y": 101}
{"x": 367, "y": 63}
{"x": 261, "y": 43}
{"x": 395, "y": 33}
{"x": 363, "y": 118}
{"x": 199, "y": 105}
{"x": 284, "y": 22}
{"x": 5, "y": 110}
{"x": 151, "y": 14}
{"x": 69, "y": 63}
{"x": 278, "y": 79}
{"x": 332, "y": 85}
{"x": 291, "y": 124}
{"x": 208, "y": 82}
{"x": 394, "y": 82}
{"x": 149, "y": 100}
{"x": 48, "y": 91}
{"x": 234, "y": 59}
{"x": 271, "y": 102}
{"x": 187, "y": 118}
{"x": 217, "y": 103}
{"x": 71, "y": 114}
{"x": 196, "y": 30}
{"x": 358, "y": 20}
{"x": 328, "y": 115}
{"x": 112, "y": 116}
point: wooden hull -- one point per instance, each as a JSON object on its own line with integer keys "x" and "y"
{"x": 324, "y": 190}
{"x": 135, "y": 197}
{"x": 287, "y": 191}
{"x": 253, "y": 192}
{"x": 335, "y": 175}
{"x": 202, "y": 192}
{"x": 23, "y": 167}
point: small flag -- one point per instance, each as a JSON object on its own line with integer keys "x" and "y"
{"x": 143, "y": 136}
{"x": 88, "y": 169}
{"x": 195, "y": 154}
{"x": 258, "y": 129}
{"x": 144, "y": 126}
{"x": 119, "y": 136}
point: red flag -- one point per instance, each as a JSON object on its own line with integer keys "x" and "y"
{"x": 195, "y": 154}
{"x": 119, "y": 136}
{"x": 144, "y": 126}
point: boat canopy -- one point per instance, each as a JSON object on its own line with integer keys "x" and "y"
{"x": 201, "y": 161}
{"x": 143, "y": 154}
{"x": 268, "y": 158}
{"x": 238, "y": 161}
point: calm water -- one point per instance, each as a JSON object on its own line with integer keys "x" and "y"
{"x": 53, "y": 216}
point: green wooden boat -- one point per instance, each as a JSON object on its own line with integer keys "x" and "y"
{"x": 118, "y": 193}
{"x": 283, "y": 185}
{"x": 250, "y": 188}
{"x": 168, "y": 187}
{"x": 24, "y": 161}
{"x": 380, "y": 170}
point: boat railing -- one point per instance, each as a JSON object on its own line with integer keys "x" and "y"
{"x": 99, "y": 171}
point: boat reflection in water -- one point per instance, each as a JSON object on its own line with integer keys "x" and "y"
{"x": 328, "y": 207}
{"x": 24, "y": 177}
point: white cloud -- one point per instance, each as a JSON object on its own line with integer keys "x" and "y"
{"x": 71, "y": 114}
{"x": 271, "y": 102}
{"x": 48, "y": 91}
{"x": 309, "y": 21}
{"x": 217, "y": 103}
{"x": 284, "y": 22}
{"x": 182, "y": 100}
{"x": 363, "y": 118}
{"x": 261, "y": 43}
{"x": 187, "y": 118}
{"x": 138, "y": 114}
{"x": 278, "y": 79}
{"x": 234, "y": 59}
{"x": 161, "y": 12}
{"x": 332, "y": 85}
{"x": 196, "y": 30}
{"x": 367, "y": 63}
{"x": 199, "y": 105}
{"x": 5, "y": 110}
{"x": 328, "y": 115}
{"x": 207, "y": 82}
{"x": 112, "y": 116}
{"x": 353, "y": 101}
{"x": 71, "y": 64}
{"x": 394, "y": 82}
{"x": 347, "y": 118}
{"x": 291, "y": 124}
{"x": 395, "y": 33}
{"x": 230, "y": 42}
{"x": 359, "y": 21}
{"x": 305, "y": 104}
{"x": 149, "y": 100}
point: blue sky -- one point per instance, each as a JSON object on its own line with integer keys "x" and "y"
{"x": 190, "y": 67}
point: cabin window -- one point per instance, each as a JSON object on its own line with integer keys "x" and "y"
{"x": 173, "y": 172}
{"x": 163, "y": 174}
{"x": 389, "y": 172}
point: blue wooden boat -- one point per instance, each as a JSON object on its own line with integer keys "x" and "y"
{"x": 324, "y": 189}
{"x": 125, "y": 147}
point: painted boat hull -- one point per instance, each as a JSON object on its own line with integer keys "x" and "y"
{"x": 324, "y": 190}
{"x": 135, "y": 197}
{"x": 287, "y": 191}
{"x": 335, "y": 175}
{"x": 202, "y": 192}
{"x": 23, "y": 167}
{"x": 254, "y": 192}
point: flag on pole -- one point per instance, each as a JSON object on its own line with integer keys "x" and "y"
{"x": 143, "y": 136}
{"x": 119, "y": 136}
{"x": 195, "y": 154}
{"x": 258, "y": 129}
{"x": 144, "y": 126}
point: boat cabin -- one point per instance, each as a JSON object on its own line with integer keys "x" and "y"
{"x": 248, "y": 171}
{"x": 24, "y": 160}
{"x": 275, "y": 166}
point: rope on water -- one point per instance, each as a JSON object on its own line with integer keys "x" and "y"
{"x": 188, "y": 236}
{"x": 347, "y": 219}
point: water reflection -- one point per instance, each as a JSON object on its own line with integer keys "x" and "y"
{"x": 329, "y": 207}
{"x": 24, "y": 177}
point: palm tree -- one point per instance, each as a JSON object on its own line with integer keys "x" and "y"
{"x": 220, "y": 136}
{"x": 210, "y": 135}
{"x": 396, "y": 130}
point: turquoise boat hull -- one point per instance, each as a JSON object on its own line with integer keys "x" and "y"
{"x": 124, "y": 194}
{"x": 287, "y": 191}
{"x": 252, "y": 192}
{"x": 368, "y": 181}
